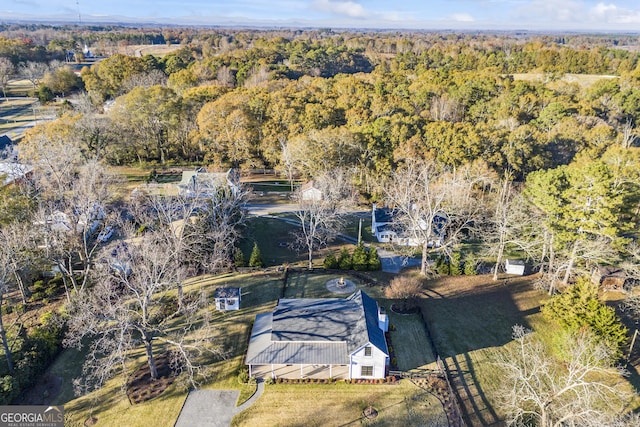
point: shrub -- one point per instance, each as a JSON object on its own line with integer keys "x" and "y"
{"x": 269, "y": 381}
{"x": 330, "y": 262}
{"x": 243, "y": 377}
{"x": 345, "y": 261}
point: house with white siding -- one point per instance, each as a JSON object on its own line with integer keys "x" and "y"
{"x": 320, "y": 338}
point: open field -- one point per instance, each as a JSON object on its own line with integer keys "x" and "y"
{"x": 149, "y": 49}
{"x": 582, "y": 80}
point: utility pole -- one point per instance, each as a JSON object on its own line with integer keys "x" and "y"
{"x": 359, "y": 230}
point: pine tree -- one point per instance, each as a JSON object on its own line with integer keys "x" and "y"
{"x": 238, "y": 258}
{"x": 470, "y": 266}
{"x": 256, "y": 257}
{"x": 344, "y": 260}
{"x": 360, "y": 258}
{"x": 579, "y": 307}
{"x": 374, "y": 259}
{"x": 330, "y": 262}
{"x": 442, "y": 266}
{"x": 454, "y": 264}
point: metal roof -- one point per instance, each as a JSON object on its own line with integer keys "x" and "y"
{"x": 315, "y": 331}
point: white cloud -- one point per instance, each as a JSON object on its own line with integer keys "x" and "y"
{"x": 461, "y": 17}
{"x": 550, "y": 11}
{"x": 346, "y": 8}
{"x": 613, "y": 14}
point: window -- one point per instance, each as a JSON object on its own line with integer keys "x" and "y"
{"x": 366, "y": 371}
{"x": 367, "y": 350}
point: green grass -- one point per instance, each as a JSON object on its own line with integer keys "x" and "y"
{"x": 341, "y": 404}
{"x": 273, "y": 237}
{"x": 410, "y": 342}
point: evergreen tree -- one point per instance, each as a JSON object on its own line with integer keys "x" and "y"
{"x": 360, "y": 257}
{"x": 238, "y": 258}
{"x": 442, "y": 266}
{"x": 579, "y": 307}
{"x": 330, "y": 262}
{"x": 470, "y": 266}
{"x": 344, "y": 260}
{"x": 454, "y": 264}
{"x": 374, "y": 259}
{"x": 256, "y": 257}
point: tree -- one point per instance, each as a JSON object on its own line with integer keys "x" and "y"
{"x": 33, "y": 71}
{"x": 360, "y": 258}
{"x": 374, "y": 263}
{"x": 583, "y": 205}
{"x": 345, "y": 260}
{"x": 150, "y": 115}
{"x": 256, "y": 257}
{"x": 512, "y": 224}
{"x": 581, "y": 389}
{"x": 438, "y": 206}
{"x": 6, "y": 72}
{"x": 579, "y": 307}
{"x": 131, "y": 309}
{"x": 405, "y": 288}
{"x": 320, "y": 217}
{"x": 330, "y": 262}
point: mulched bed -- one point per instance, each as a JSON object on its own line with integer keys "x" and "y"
{"x": 142, "y": 388}
{"x": 437, "y": 386}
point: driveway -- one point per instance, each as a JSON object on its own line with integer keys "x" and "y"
{"x": 213, "y": 408}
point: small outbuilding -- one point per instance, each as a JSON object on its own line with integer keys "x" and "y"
{"x": 227, "y": 298}
{"x": 514, "y": 266}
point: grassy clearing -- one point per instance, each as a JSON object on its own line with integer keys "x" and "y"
{"x": 341, "y": 404}
{"x": 582, "y": 80}
{"x": 274, "y": 238}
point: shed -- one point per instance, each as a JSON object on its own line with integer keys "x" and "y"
{"x": 514, "y": 266}
{"x": 227, "y": 298}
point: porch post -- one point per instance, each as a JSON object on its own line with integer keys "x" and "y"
{"x": 272, "y": 374}
{"x": 249, "y": 371}
{"x": 301, "y": 370}
{"x": 330, "y": 371}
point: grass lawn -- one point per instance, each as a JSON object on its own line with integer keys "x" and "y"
{"x": 259, "y": 294}
{"x": 409, "y": 339}
{"x": 340, "y": 404}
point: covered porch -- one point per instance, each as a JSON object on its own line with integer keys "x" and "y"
{"x": 299, "y": 371}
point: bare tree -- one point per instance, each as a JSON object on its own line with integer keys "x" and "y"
{"x": 33, "y": 71}
{"x": 582, "y": 389}
{"x": 131, "y": 308}
{"x": 6, "y": 72}
{"x": 405, "y": 288}
{"x": 512, "y": 224}
{"x": 6, "y": 272}
{"x": 320, "y": 217}
{"x": 71, "y": 227}
{"x": 437, "y": 206}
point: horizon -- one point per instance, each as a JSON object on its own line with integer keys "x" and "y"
{"x": 580, "y": 16}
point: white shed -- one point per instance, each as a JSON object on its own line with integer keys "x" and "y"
{"x": 514, "y": 266}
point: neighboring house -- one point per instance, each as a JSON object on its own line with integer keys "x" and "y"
{"x": 310, "y": 191}
{"x": 386, "y": 226}
{"x": 612, "y": 279}
{"x": 200, "y": 183}
{"x": 227, "y": 298}
{"x": 320, "y": 338}
{"x": 514, "y": 266}
{"x": 14, "y": 173}
{"x": 7, "y": 149}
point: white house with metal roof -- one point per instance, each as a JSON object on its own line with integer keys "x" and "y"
{"x": 320, "y": 338}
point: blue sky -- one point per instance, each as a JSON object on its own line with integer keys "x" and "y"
{"x": 614, "y": 15}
